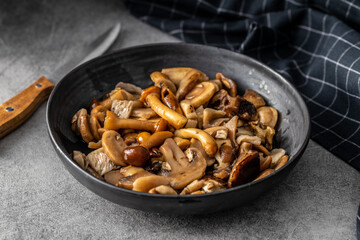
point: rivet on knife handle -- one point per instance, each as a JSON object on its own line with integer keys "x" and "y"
{"x": 18, "y": 109}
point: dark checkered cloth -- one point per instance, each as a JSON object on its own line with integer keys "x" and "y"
{"x": 314, "y": 44}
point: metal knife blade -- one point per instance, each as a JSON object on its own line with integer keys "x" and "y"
{"x": 18, "y": 109}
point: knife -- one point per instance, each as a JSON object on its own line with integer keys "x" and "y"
{"x": 18, "y": 109}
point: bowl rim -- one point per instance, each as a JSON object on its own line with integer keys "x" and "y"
{"x": 268, "y": 70}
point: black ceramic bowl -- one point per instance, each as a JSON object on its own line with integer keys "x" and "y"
{"x": 99, "y": 76}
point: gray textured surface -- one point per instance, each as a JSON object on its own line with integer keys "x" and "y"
{"x": 40, "y": 199}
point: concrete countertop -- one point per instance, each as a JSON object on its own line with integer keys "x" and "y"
{"x": 40, "y": 200}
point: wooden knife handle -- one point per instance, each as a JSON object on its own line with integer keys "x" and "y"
{"x": 18, "y": 109}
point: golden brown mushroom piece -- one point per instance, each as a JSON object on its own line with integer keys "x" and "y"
{"x": 188, "y": 83}
{"x": 206, "y": 140}
{"x": 131, "y": 88}
{"x": 245, "y": 169}
{"x": 254, "y": 98}
{"x": 99, "y": 112}
{"x": 84, "y": 127}
{"x": 169, "y": 99}
{"x": 161, "y": 80}
{"x": 213, "y": 118}
{"x": 268, "y": 116}
{"x": 163, "y": 189}
{"x": 229, "y": 84}
{"x": 178, "y": 73}
{"x": 152, "y": 97}
{"x": 201, "y": 94}
{"x": 100, "y": 162}
{"x": 114, "y": 146}
{"x": 116, "y": 94}
{"x": 113, "y": 122}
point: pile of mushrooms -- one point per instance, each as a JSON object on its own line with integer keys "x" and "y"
{"x": 186, "y": 134}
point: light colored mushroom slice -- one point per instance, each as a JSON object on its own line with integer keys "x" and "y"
{"x": 131, "y": 88}
{"x": 94, "y": 127}
{"x": 179, "y": 73}
{"x": 185, "y": 167}
{"x": 268, "y": 116}
{"x": 114, "y": 146}
{"x": 265, "y": 162}
{"x": 197, "y": 144}
{"x": 262, "y": 149}
{"x": 245, "y": 130}
{"x": 130, "y": 170}
{"x": 80, "y": 159}
{"x": 245, "y": 169}
{"x": 254, "y": 98}
{"x": 84, "y": 128}
{"x": 113, "y": 122}
{"x": 100, "y": 162}
{"x": 163, "y": 189}
{"x": 145, "y": 113}
{"x": 266, "y": 135}
{"x": 192, "y": 187}
{"x": 219, "y": 132}
{"x": 213, "y": 118}
{"x": 201, "y": 93}
{"x": 122, "y": 108}
{"x": 113, "y": 177}
{"x": 245, "y": 148}
{"x": 225, "y": 155}
{"x": 161, "y": 79}
{"x": 229, "y": 84}
{"x": 200, "y": 116}
{"x": 231, "y": 125}
{"x": 212, "y": 185}
{"x": 207, "y": 141}
{"x": 188, "y": 109}
{"x": 75, "y": 127}
{"x": 250, "y": 139}
{"x": 116, "y": 94}
{"x": 275, "y": 155}
{"x": 282, "y": 161}
{"x": 191, "y": 123}
{"x": 144, "y": 184}
{"x": 264, "y": 174}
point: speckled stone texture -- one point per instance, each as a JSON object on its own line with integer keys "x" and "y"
{"x": 40, "y": 200}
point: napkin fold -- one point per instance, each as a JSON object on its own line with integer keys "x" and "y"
{"x": 314, "y": 44}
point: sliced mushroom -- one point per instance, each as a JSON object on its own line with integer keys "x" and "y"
{"x": 262, "y": 149}
{"x": 201, "y": 94}
{"x": 84, "y": 128}
{"x": 212, "y": 118}
{"x": 245, "y": 169}
{"x": 130, "y": 138}
{"x": 192, "y": 187}
{"x": 94, "y": 127}
{"x": 95, "y": 145}
{"x": 174, "y": 118}
{"x": 245, "y": 130}
{"x": 145, "y": 113}
{"x": 122, "y": 108}
{"x": 266, "y": 135}
{"x": 191, "y": 123}
{"x": 146, "y": 183}
{"x": 231, "y": 125}
{"x": 200, "y": 116}
{"x": 117, "y": 94}
{"x": 197, "y": 144}
{"x": 184, "y": 168}
{"x": 229, "y": 84}
{"x": 250, "y": 139}
{"x": 74, "y": 121}
{"x": 254, "y": 98}
{"x": 213, "y": 185}
{"x": 113, "y": 177}
{"x": 129, "y": 181}
{"x": 268, "y": 116}
{"x": 163, "y": 189}
{"x": 113, "y": 122}
{"x": 80, "y": 159}
{"x": 182, "y": 143}
{"x": 131, "y": 88}
{"x": 206, "y": 140}
{"x": 282, "y": 161}
{"x": 219, "y": 132}
{"x": 114, "y": 146}
{"x": 178, "y": 74}
{"x": 265, "y": 162}
{"x": 188, "y": 109}
{"x": 161, "y": 79}
{"x": 264, "y": 173}
{"x": 156, "y": 139}
{"x": 245, "y": 148}
{"x": 188, "y": 83}
{"x": 99, "y": 112}
{"x": 276, "y": 154}
{"x": 100, "y": 162}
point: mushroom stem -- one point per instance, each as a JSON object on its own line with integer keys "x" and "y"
{"x": 113, "y": 122}
{"x": 208, "y": 142}
{"x": 175, "y": 119}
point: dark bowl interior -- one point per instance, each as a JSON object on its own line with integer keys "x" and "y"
{"x": 134, "y": 65}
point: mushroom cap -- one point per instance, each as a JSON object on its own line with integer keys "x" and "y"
{"x": 245, "y": 169}
{"x": 268, "y": 116}
{"x": 114, "y": 146}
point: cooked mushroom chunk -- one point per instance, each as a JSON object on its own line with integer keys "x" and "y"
{"x": 122, "y": 108}
{"x": 245, "y": 169}
{"x": 113, "y": 146}
{"x": 213, "y": 118}
{"x": 268, "y": 116}
{"x": 201, "y": 94}
{"x": 131, "y": 88}
{"x": 100, "y": 162}
{"x": 229, "y": 84}
{"x": 163, "y": 189}
{"x": 276, "y": 155}
{"x": 254, "y": 98}
{"x": 161, "y": 80}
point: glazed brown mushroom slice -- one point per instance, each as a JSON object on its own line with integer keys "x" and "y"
{"x": 84, "y": 128}
{"x": 100, "y": 162}
{"x": 268, "y": 116}
{"x": 156, "y": 139}
{"x": 224, "y": 157}
{"x": 265, "y": 162}
{"x": 94, "y": 127}
{"x": 188, "y": 109}
{"x": 113, "y": 122}
{"x": 254, "y": 98}
{"x": 152, "y": 98}
{"x": 206, "y": 140}
{"x": 113, "y": 146}
{"x": 189, "y": 81}
{"x": 245, "y": 148}
{"x": 229, "y": 84}
{"x": 161, "y": 80}
{"x": 129, "y": 181}
{"x": 169, "y": 99}
{"x": 99, "y": 112}
{"x": 212, "y": 118}
{"x": 201, "y": 93}
{"x": 245, "y": 169}
{"x": 179, "y": 73}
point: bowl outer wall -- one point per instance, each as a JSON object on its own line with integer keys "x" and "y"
{"x": 99, "y": 76}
